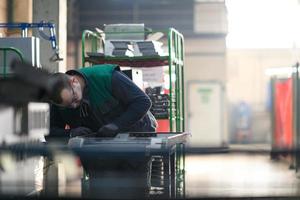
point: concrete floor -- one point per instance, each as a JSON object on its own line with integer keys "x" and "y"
{"x": 239, "y": 175}
{"x": 247, "y": 171}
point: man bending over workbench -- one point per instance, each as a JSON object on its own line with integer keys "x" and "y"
{"x": 98, "y": 101}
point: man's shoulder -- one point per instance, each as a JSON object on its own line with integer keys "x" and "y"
{"x": 103, "y": 68}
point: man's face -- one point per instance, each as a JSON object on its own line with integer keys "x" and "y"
{"x": 72, "y": 97}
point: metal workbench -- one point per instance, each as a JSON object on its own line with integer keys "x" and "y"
{"x": 162, "y": 154}
{"x": 119, "y": 167}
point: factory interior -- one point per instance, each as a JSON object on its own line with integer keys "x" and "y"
{"x": 149, "y": 99}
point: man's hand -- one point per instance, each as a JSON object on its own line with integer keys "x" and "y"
{"x": 108, "y": 130}
{"x": 79, "y": 131}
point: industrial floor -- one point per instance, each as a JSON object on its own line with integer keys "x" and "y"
{"x": 246, "y": 173}
{"x": 243, "y": 171}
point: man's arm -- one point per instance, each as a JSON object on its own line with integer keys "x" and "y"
{"x": 134, "y": 99}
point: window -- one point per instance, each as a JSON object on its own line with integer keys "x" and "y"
{"x": 263, "y": 23}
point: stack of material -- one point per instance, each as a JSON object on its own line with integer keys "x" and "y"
{"x": 149, "y": 48}
{"x": 122, "y": 48}
{"x": 129, "y": 32}
{"x": 120, "y": 37}
{"x": 129, "y": 40}
{"x": 160, "y": 106}
{"x": 160, "y": 103}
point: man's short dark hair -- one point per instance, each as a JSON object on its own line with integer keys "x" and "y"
{"x": 60, "y": 81}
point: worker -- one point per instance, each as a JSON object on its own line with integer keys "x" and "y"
{"x": 99, "y": 100}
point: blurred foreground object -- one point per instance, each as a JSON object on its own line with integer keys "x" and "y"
{"x": 28, "y": 83}
{"x": 24, "y": 111}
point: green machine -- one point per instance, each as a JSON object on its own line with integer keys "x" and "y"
{"x": 5, "y": 51}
